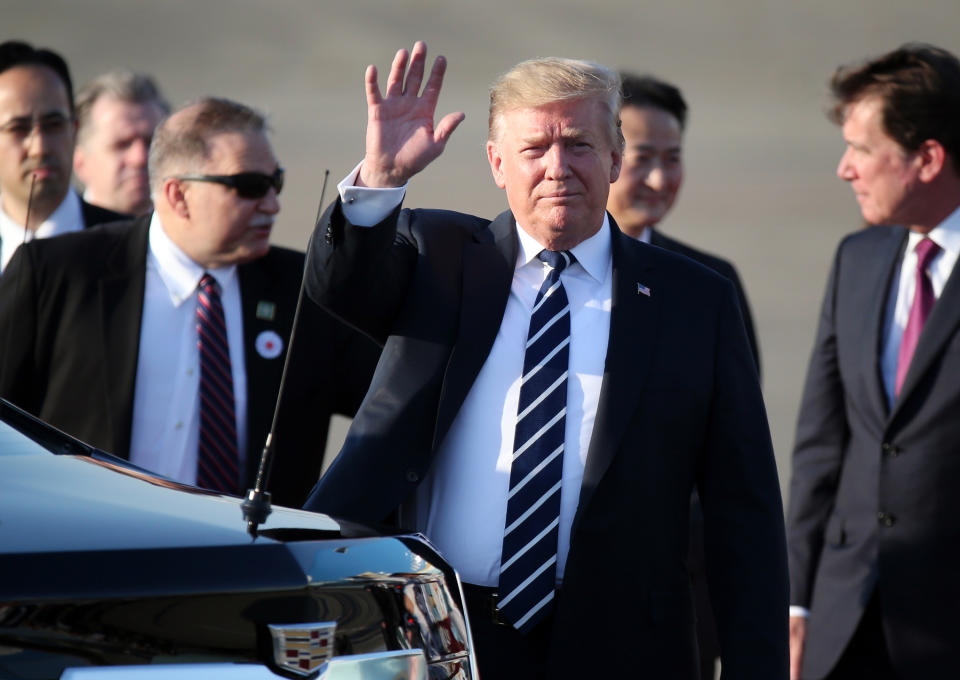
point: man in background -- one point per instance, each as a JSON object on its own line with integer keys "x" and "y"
{"x": 116, "y": 115}
{"x": 874, "y": 517}
{"x": 654, "y": 118}
{"x": 162, "y": 340}
{"x": 37, "y": 135}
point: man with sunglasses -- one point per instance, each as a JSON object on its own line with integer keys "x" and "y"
{"x": 37, "y": 135}
{"x": 162, "y": 340}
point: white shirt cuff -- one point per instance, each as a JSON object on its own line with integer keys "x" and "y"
{"x": 366, "y": 206}
{"x": 799, "y": 611}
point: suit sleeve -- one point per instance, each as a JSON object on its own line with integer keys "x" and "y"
{"x": 19, "y": 382}
{"x": 747, "y": 316}
{"x": 361, "y": 274}
{"x": 743, "y": 513}
{"x": 822, "y": 435}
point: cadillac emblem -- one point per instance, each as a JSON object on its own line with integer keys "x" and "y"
{"x": 302, "y": 647}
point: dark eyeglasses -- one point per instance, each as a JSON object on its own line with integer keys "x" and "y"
{"x": 246, "y": 184}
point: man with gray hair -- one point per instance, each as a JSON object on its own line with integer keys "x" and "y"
{"x": 162, "y": 339}
{"x": 116, "y": 115}
{"x": 551, "y": 392}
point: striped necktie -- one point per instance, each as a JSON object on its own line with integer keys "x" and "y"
{"x": 217, "y": 460}
{"x": 528, "y": 562}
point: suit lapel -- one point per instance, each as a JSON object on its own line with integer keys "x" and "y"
{"x": 633, "y": 329}
{"x": 881, "y": 265}
{"x": 121, "y": 311}
{"x": 263, "y": 369}
{"x": 937, "y": 331}
{"x": 489, "y": 261}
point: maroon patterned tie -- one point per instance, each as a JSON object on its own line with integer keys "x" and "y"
{"x": 923, "y": 299}
{"x": 217, "y": 467}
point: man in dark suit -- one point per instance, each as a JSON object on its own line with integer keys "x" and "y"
{"x": 99, "y": 329}
{"x": 653, "y": 120}
{"x": 564, "y": 508}
{"x": 37, "y": 135}
{"x": 873, "y": 521}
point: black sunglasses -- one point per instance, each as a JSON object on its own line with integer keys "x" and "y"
{"x": 246, "y": 184}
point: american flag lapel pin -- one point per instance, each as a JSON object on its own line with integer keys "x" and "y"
{"x": 642, "y": 289}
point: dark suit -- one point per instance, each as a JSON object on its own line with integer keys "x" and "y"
{"x": 680, "y": 406}
{"x": 70, "y": 312}
{"x": 874, "y": 507}
{"x": 725, "y": 269}
{"x": 94, "y": 215}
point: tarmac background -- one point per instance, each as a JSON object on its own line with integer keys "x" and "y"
{"x": 760, "y": 154}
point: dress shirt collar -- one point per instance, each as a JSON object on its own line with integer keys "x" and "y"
{"x": 66, "y": 218}
{"x": 946, "y": 235}
{"x": 593, "y": 254}
{"x": 180, "y": 274}
{"x": 645, "y": 235}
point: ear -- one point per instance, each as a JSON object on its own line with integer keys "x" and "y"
{"x": 496, "y": 163}
{"x": 617, "y": 157}
{"x": 172, "y": 193}
{"x": 79, "y": 165}
{"x": 932, "y": 158}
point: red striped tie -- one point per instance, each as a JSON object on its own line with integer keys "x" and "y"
{"x": 217, "y": 449}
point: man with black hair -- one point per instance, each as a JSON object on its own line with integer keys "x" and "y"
{"x": 653, "y": 119}
{"x": 37, "y": 135}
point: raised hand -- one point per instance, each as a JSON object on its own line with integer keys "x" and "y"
{"x": 401, "y": 137}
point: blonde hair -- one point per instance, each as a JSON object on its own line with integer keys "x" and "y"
{"x": 547, "y": 80}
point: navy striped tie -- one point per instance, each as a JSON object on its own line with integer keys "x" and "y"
{"x": 217, "y": 461}
{"x": 528, "y": 562}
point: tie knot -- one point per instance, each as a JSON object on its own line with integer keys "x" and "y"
{"x": 209, "y": 285}
{"x": 926, "y": 251}
{"x": 556, "y": 259}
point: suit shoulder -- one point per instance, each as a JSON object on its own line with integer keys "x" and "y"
{"x": 870, "y": 237}
{"x": 284, "y": 256}
{"x": 714, "y": 262}
{"x": 77, "y": 245}
{"x": 427, "y": 219}
{"x": 94, "y": 215}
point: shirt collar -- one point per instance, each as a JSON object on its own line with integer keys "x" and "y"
{"x": 946, "y": 234}
{"x": 180, "y": 274}
{"x": 593, "y": 254}
{"x": 66, "y": 218}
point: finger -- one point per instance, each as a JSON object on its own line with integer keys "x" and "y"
{"x": 431, "y": 93}
{"x": 395, "y": 79}
{"x": 371, "y": 86}
{"x": 415, "y": 75}
{"x": 446, "y": 126}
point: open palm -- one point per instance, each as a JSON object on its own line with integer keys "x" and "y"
{"x": 401, "y": 136}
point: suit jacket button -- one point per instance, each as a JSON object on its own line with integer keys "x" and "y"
{"x": 412, "y": 476}
{"x": 886, "y": 519}
{"x": 889, "y": 448}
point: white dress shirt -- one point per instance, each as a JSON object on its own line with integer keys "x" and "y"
{"x": 166, "y": 420}
{"x": 463, "y": 499}
{"x": 66, "y": 218}
{"x": 900, "y": 298}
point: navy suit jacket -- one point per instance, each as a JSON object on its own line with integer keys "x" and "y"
{"x": 874, "y": 501}
{"x": 723, "y": 267}
{"x": 70, "y": 311}
{"x": 680, "y": 407}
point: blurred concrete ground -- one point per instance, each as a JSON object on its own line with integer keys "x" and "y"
{"x": 760, "y": 154}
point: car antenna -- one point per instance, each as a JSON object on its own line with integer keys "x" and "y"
{"x": 256, "y": 505}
